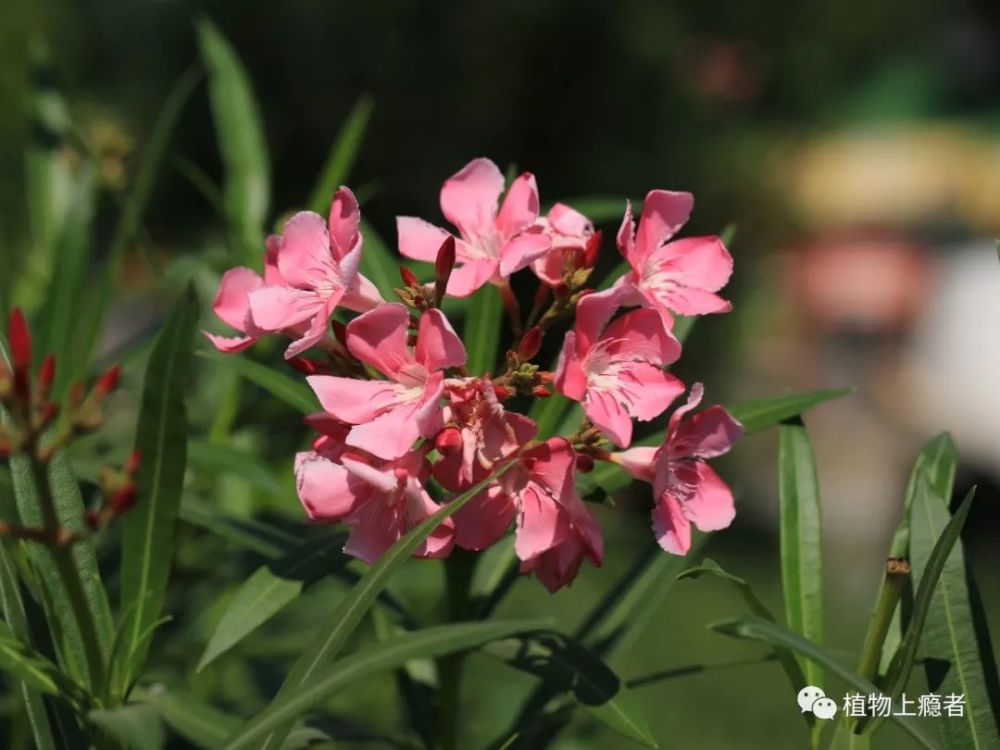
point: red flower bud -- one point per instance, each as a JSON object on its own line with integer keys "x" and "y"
{"x": 123, "y": 499}
{"x": 502, "y": 392}
{"x": 531, "y": 342}
{"x": 304, "y": 365}
{"x": 340, "y": 332}
{"x": 561, "y": 290}
{"x": 409, "y": 278}
{"x": 20, "y": 341}
{"x": 132, "y": 464}
{"x": 108, "y": 381}
{"x": 540, "y": 391}
{"x": 448, "y": 440}
{"x": 545, "y": 376}
{"x": 443, "y": 266}
{"x": 590, "y": 251}
{"x": 584, "y": 463}
{"x": 46, "y": 374}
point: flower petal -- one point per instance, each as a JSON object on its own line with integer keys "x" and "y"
{"x": 362, "y": 295}
{"x": 469, "y": 197}
{"x": 640, "y": 335}
{"x": 651, "y": 390}
{"x": 671, "y": 527}
{"x": 541, "y": 525}
{"x": 343, "y": 223}
{"x": 521, "y": 251}
{"x": 354, "y": 401}
{"x": 700, "y": 262}
{"x": 520, "y": 206}
{"x": 419, "y": 239}
{"x": 231, "y": 304}
{"x": 606, "y": 413}
{"x": 378, "y": 338}
{"x": 230, "y": 344}
{"x": 664, "y": 212}
{"x": 325, "y": 488}
{"x": 707, "y": 434}
{"x": 711, "y": 507}
{"x": 304, "y": 258}
{"x": 483, "y": 520}
{"x": 438, "y": 346}
{"x": 274, "y": 308}
{"x": 470, "y": 276}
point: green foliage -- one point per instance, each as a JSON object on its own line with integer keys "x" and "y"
{"x": 801, "y": 538}
{"x": 342, "y": 156}
{"x": 161, "y": 439}
{"x": 481, "y": 331}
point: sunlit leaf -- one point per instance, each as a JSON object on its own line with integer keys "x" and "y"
{"x": 801, "y": 525}
{"x": 951, "y": 646}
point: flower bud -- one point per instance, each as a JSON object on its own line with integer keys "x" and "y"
{"x": 304, "y": 365}
{"x": 590, "y": 251}
{"x": 540, "y": 391}
{"x": 133, "y": 462}
{"x": 448, "y": 440}
{"x": 46, "y": 375}
{"x": 584, "y": 463}
{"x": 20, "y": 340}
{"x": 531, "y": 342}
{"x": 409, "y": 278}
{"x": 443, "y": 266}
{"x": 340, "y": 332}
{"x": 107, "y": 382}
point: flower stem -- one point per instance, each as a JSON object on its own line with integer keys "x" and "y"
{"x": 459, "y": 569}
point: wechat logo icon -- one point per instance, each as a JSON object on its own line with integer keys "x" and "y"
{"x": 812, "y": 699}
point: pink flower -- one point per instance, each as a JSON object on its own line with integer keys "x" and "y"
{"x": 493, "y": 242}
{"x": 484, "y": 433}
{"x": 572, "y": 236}
{"x": 680, "y": 277}
{"x": 389, "y": 415}
{"x": 317, "y": 265}
{"x": 380, "y": 501}
{"x": 231, "y": 305}
{"x": 618, "y": 374}
{"x": 686, "y": 490}
{"x": 554, "y": 530}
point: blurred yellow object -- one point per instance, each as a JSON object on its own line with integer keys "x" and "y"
{"x": 901, "y": 175}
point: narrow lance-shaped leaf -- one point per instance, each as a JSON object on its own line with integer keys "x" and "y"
{"x": 271, "y": 588}
{"x": 566, "y": 666}
{"x": 801, "y": 527}
{"x": 161, "y": 439}
{"x": 755, "y": 628}
{"x": 135, "y": 726}
{"x": 950, "y": 645}
{"x": 16, "y": 617}
{"x": 343, "y": 154}
{"x": 792, "y": 670}
{"x": 240, "y": 135}
{"x": 378, "y": 262}
{"x": 482, "y": 329}
{"x": 293, "y": 391}
{"x": 902, "y": 663}
{"x": 349, "y": 613}
{"x": 939, "y": 459}
{"x": 430, "y": 642}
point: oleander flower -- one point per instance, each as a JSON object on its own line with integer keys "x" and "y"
{"x": 378, "y": 500}
{"x": 672, "y": 277}
{"x": 617, "y": 372}
{"x": 389, "y": 415}
{"x": 493, "y": 240}
{"x": 574, "y": 243}
{"x": 317, "y": 271}
{"x": 686, "y": 489}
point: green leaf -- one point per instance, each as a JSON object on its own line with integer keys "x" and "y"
{"x": 566, "y": 666}
{"x": 293, "y": 391}
{"x": 342, "y": 155}
{"x": 69, "y": 512}
{"x": 270, "y": 589}
{"x": 951, "y": 648}
{"x": 938, "y": 460}
{"x": 226, "y": 459}
{"x": 15, "y": 615}
{"x": 481, "y": 330}
{"x": 378, "y": 263}
{"x": 902, "y": 663}
{"x": 801, "y": 523}
{"x": 23, "y": 663}
{"x": 270, "y": 541}
{"x": 757, "y": 629}
{"x": 845, "y": 739}
{"x": 352, "y": 608}
{"x": 788, "y": 663}
{"x": 202, "y": 725}
{"x": 329, "y": 679}
{"x": 88, "y": 330}
{"x": 239, "y": 133}
{"x": 766, "y": 412}
{"x": 135, "y": 726}
{"x": 161, "y": 439}
{"x": 549, "y": 413}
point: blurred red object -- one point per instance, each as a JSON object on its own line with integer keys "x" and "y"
{"x": 869, "y": 282}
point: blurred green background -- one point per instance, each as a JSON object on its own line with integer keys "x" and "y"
{"x": 856, "y": 146}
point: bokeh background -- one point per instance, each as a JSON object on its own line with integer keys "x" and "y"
{"x": 854, "y": 144}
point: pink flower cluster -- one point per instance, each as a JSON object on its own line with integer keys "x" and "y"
{"x": 402, "y": 416}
